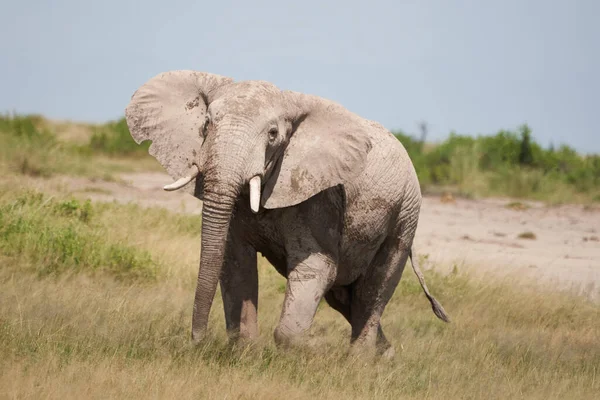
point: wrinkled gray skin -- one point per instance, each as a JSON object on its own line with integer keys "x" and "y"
{"x": 339, "y": 200}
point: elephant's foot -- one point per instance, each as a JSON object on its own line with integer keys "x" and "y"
{"x": 371, "y": 353}
{"x": 287, "y": 338}
{"x": 296, "y": 341}
{"x": 389, "y": 353}
{"x": 363, "y": 352}
{"x": 372, "y": 343}
{"x": 241, "y": 339}
{"x": 384, "y": 347}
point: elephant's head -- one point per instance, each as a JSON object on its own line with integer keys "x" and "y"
{"x": 223, "y": 140}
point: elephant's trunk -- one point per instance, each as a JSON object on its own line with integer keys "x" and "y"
{"x": 223, "y": 179}
{"x": 217, "y": 208}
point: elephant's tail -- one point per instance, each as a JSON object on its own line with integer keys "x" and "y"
{"x": 438, "y": 310}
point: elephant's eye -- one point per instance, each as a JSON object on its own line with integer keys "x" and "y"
{"x": 273, "y": 133}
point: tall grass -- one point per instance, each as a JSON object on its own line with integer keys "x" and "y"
{"x": 77, "y": 333}
{"x": 58, "y": 236}
{"x": 54, "y": 235}
{"x": 97, "y": 338}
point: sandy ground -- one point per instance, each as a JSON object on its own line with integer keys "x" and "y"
{"x": 481, "y": 236}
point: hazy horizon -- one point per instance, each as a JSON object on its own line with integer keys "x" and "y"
{"x": 461, "y": 66}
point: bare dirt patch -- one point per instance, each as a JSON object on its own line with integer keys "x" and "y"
{"x": 483, "y": 236}
{"x": 145, "y": 189}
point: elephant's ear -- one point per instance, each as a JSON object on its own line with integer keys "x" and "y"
{"x": 170, "y": 110}
{"x": 328, "y": 146}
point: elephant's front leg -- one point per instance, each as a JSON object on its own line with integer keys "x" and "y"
{"x": 239, "y": 289}
{"x": 309, "y": 278}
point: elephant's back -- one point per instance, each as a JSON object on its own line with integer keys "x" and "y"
{"x": 388, "y": 172}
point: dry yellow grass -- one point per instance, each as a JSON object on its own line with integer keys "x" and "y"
{"x": 91, "y": 335}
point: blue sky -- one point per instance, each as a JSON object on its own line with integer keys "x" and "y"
{"x": 470, "y": 66}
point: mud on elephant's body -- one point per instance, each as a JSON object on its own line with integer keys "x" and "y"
{"x": 330, "y": 199}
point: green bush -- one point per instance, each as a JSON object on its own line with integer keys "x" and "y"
{"x": 508, "y": 163}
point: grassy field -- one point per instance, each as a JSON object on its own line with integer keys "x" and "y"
{"x": 96, "y": 301}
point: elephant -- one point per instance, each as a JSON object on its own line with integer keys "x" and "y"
{"x": 330, "y": 199}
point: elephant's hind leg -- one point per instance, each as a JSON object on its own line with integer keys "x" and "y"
{"x": 339, "y": 298}
{"x": 370, "y": 295}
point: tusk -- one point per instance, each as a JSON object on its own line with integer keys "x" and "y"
{"x": 181, "y": 182}
{"x": 255, "y": 193}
